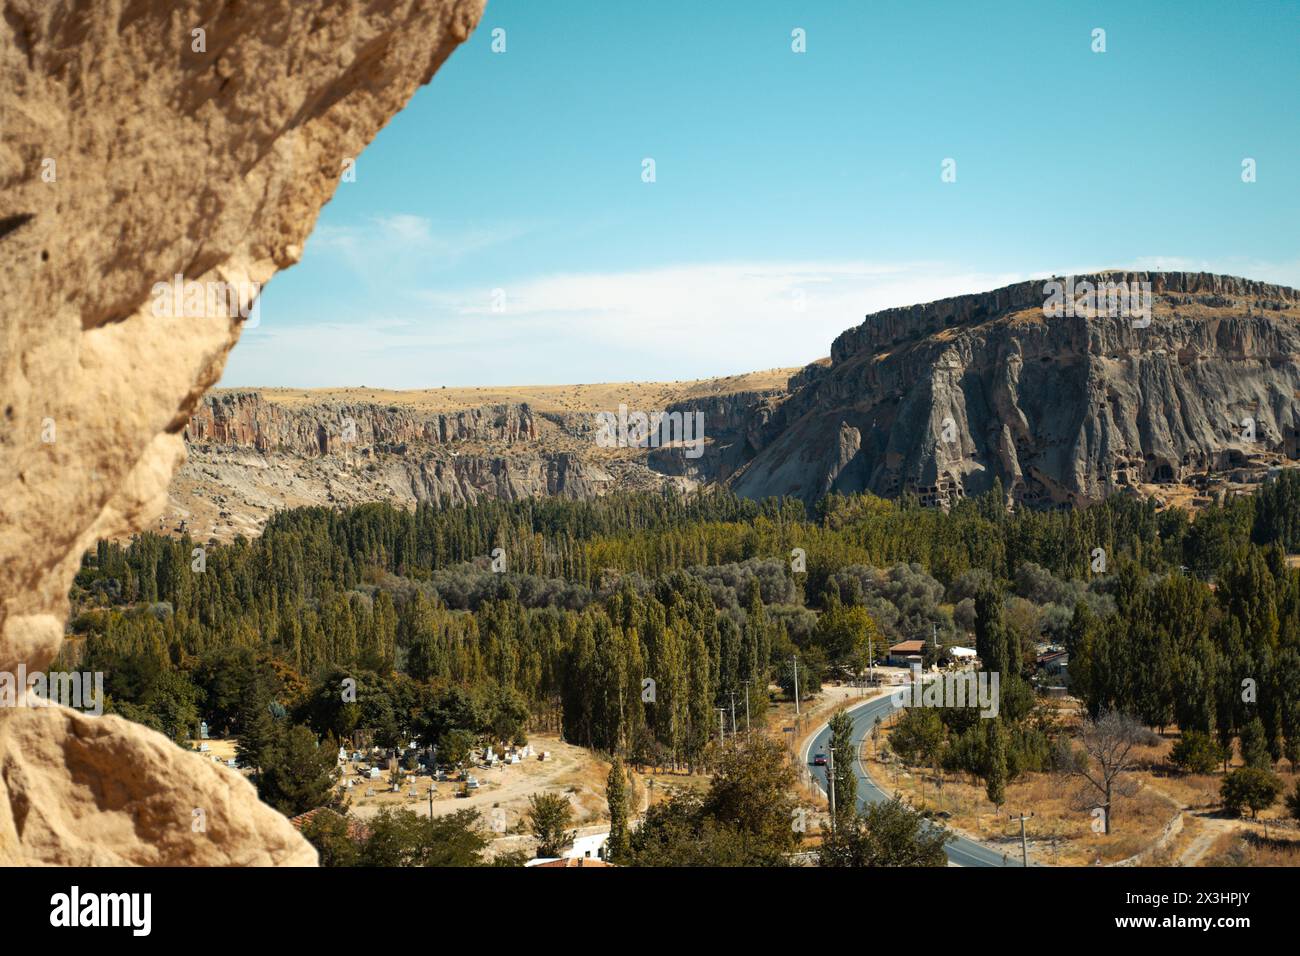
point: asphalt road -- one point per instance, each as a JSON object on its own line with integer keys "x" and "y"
{"x": 961, "y": 851}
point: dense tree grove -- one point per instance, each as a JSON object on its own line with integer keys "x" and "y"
{"x": 625, "y": 622}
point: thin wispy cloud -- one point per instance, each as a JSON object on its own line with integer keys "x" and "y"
{"x": 676, "y": 322}
{"x": 669, "y": 323}
{"x": 401, "y": 244}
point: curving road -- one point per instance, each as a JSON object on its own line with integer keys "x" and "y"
{"x": 961, "y": 851}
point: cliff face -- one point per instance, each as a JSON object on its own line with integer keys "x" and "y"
{"x": 248, "y": 457}
{"x": 942, "y": 399}
{"x": 331, "y": 428}
{"x": 1181, "y": 397}
{"x": 142, "y": 141}
{"x": 734, "y": 429}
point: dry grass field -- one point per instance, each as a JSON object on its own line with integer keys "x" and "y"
{"x": 542, "y": 398}
{"x": 1174, "y": 818}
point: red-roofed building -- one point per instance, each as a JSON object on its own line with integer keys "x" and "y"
{"x": 574, "y": 861}
{"x": 906, "y": 653}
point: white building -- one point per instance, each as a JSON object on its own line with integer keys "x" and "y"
{"x": 592, "y": 846}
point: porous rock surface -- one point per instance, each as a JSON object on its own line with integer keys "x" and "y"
{"x": 140, "y": 140}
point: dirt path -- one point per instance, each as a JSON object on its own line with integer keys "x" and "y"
{"x": 1208, "y": 832}
{"x": 1206, "y": 827}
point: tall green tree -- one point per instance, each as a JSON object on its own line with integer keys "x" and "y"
{"x": 995, "y": 774}
{"x": 299, "y": 774}
{"x": 845, "y": 778}
{"x": 616, "y": 798}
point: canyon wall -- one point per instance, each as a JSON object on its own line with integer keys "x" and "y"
{"x": 943, "y": 399}
{"x": 1192, "y": 399}
{"x": 249, "y": 457}
{"x": 330, "y": 428}
{"x": 139, "y": 141}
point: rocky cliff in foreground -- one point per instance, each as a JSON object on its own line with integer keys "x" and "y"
{"x": 140, "y": 141}
{"x": 945, "y": 398}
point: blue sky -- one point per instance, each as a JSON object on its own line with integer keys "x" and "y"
{"x": 499, "y": 231}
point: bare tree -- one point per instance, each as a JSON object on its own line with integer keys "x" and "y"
{"x": 1104, "y": 759}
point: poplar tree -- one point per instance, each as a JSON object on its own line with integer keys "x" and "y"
{"x": 845, "y": 779}
{"x": 995, "y": 775}
{"x": 616, "y": 796}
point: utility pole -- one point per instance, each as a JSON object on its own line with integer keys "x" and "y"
{"x": 1024, "y": 846}
{"x": 747, "y": 683}
{"x": 431, "y": 800}
{"x": 795, "y": 657}
{"x": 733, "y": 713}
{"x": 722, "y": 725}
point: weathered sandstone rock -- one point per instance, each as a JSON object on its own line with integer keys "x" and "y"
{"x": 102, "y": 791}
{"x": 131, "y": 152}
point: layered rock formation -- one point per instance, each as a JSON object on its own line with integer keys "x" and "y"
{"x": 142, "y": 141}
{"x": 945, "y": 398}
{"x": 249, "y": 457}
{"x": 735, "y": 428}
{"x": 939, "y": 400}
{"x": 332, "y": 428}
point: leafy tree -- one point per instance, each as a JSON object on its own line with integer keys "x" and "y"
{"x": 751, "y": 793}
{"x": 347, "y": 700}
{"x": 845, "y": 633}
{"x": 455, "y": 747}
{"x": 549, "y": 816}
{"x": 330, "y": 834}
{"x": 1197, "y": 752}
{"x": 678, "y": 832}
{"x": 399, "y": 837}
{"x": 1250, "y": 788}
{"x": 811, "y": 668}
{"x": 670, "y": 833}
{"x": 887, "y": 834}
{"x": 509, "y": 715}
{"x": 173, "y": 701}
{"x": 918, "y": 735}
